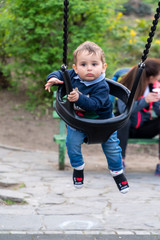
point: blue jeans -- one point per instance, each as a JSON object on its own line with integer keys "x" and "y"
{"x": 111, "y": 149}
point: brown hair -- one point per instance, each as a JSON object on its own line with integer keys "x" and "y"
{"x": 152, "y": 68}
{"x": 91, "y": 47}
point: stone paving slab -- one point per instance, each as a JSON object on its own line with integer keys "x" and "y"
{"x": 54, "y": 205}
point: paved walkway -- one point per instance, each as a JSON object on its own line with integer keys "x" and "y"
{"x": 76, "y": 237}
{"x": 47, "y": 203}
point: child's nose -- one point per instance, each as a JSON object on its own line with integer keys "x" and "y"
{"x": 89, "y": 67}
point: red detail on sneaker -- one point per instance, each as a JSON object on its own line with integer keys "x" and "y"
{"x": 124, "y": 183}
{"x": 79, "y": 179}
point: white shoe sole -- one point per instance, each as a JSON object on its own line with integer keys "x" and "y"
{"x": 125, "y": 190}
{"x": 78, "y": 186}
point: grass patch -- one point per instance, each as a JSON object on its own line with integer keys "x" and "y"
{"x": 12, "y": 202}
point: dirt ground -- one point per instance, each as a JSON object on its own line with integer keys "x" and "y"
{"x": 25, "y": 130}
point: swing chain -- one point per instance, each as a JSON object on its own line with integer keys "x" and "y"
{"x": 151, "y": 34}
{"x": 65, "y": 34}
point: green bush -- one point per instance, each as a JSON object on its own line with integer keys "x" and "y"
{"x": 31, "y": 39}
{"x": 34, "y": 30}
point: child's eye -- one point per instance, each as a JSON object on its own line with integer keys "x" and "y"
{"x": 83, "y": 64}
{"x": 94, "y": 64}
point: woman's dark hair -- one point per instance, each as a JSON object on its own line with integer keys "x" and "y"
{"x": 152, "y": 68}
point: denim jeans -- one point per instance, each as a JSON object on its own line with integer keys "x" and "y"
{"x": 111, "y": 149}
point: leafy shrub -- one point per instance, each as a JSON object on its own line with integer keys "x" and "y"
{"x": 32, "y": 43}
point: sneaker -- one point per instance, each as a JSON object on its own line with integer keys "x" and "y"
{"x": 122, "y": 183}
{"x": 78, "y": 177}
{"x": 157, "y": 171}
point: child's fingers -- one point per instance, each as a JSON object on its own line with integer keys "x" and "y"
{"x": 60, "y": 82}
{"x": 73, "y": 92}
{"x": 55, "y": 81}
{"x": 47, "y": 88}
{"x": 73, "y": 96}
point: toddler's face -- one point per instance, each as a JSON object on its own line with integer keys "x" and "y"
{"x": 89, "y": 66}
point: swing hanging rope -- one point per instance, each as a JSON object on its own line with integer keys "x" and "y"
{"x": 151, "y": 33}
{"x": 65, "y": 31}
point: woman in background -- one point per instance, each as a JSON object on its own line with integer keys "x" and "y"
{"x": 141, "y": 124}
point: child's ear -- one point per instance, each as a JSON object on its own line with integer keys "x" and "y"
{"x": 104, "y": 67}
{"x": 74, "y": 67}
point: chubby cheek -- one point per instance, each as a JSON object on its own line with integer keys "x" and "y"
{"x": 81, "y": 71}
{"x": 78, "y": 69}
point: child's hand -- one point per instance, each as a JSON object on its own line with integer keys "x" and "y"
{"x": 52, "y": 81}
{"x": 73, "y": 96}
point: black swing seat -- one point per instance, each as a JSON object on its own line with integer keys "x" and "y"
{"x": 97, "y": 130}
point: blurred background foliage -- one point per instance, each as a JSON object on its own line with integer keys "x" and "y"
{"x": 31, "y": 40}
